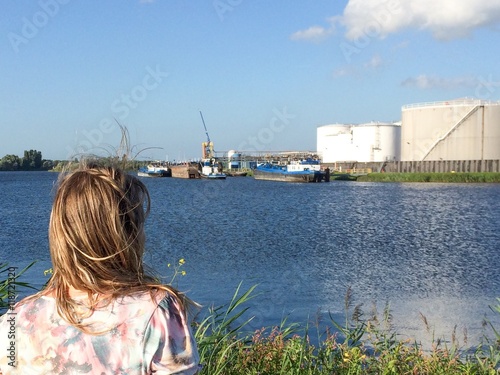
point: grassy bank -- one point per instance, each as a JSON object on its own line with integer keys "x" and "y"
{"x": 364, "y": 343}
{"x": 431, "y": 177}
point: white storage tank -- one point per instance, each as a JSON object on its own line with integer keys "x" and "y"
{"x": 462, "y": 129}
{"x": 331, "y": 140}
{"x": 370, "y": 142}
{"x": 234, "y": 159}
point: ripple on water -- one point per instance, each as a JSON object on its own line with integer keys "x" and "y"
{"x": 424, "y": 248}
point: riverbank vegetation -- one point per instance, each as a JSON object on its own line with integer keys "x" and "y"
{"x": 124, "y": 155}
{"x": 364, "y": 343}
{"x": 360, "y": 345}
{"x": 432, "y": 177}
{"x": 31, "y": 161}
{"x": 130, "y": 165}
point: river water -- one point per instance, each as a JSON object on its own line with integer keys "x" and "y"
{"x": 425, "y": 249}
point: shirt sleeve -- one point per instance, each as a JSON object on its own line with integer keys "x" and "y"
{"x": 169, "y": 346}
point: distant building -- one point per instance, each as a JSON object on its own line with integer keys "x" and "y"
{"x": 370, "y": 142}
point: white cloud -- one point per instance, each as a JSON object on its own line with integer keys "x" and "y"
{"x": 402, "y": 45}
{"x": 424, "y": 81}
{"x": 445, "y": 19}
{"x": 315, "y": 33}
{"x": 353, "y": 71}
{"x": 342, "y": 72}
{"x": 375, "y": 62}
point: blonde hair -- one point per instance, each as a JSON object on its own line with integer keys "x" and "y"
{"x": 97, "y": 240}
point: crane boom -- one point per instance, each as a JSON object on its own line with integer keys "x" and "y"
{"x": 208, "y": 146}
{"x": 206, "y": 131}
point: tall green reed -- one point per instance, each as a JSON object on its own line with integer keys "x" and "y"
{"x": 10, "y": 286}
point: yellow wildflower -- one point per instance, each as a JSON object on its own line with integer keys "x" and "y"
{"x": 346, "y": 356}
{"x": 50, "y": 271}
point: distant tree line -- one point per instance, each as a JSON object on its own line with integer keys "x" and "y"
{"x": 31, "y": 161}
{"x": 123, "y": 156}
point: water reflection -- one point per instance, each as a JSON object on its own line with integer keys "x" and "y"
{"x": 425, "y": 248}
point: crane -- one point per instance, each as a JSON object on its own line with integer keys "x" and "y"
{"x": 208, "y": 145}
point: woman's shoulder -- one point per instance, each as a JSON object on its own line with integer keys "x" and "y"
{"x": 34, "y": 304}
{"x": 34, "y": 312}
{"x": 138, "y": 306}
{"x": 148, "y": 302}
{"x": 151, "y": 298}
{"x": 168, "y": 339}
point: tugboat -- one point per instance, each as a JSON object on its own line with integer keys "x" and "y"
{"x": 210, "y": 168}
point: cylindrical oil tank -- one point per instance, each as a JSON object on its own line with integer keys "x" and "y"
{"x": 463, "y": 129}
{"x": 332, "y": 140}
{"x": 370, "y": 142}
{"x": 234, "y": 159}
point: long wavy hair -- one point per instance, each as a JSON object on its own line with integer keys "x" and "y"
{"x": 97, "y": 240}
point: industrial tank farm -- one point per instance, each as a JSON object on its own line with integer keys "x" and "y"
{"x": 464, "y": 129}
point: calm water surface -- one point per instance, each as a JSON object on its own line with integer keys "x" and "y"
{"x": 423, "y": 248}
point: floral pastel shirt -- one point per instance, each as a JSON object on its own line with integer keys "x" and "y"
{"x": 141, "y": 336}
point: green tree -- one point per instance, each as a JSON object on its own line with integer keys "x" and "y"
{"x": 47, "y": 164}
{"x": 10, "y": 163}
{"x": 32, "y": 159}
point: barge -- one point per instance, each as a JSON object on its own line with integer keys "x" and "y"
{"x": 296, "y": 171}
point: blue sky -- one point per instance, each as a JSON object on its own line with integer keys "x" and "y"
{"x": 265, "y": 74}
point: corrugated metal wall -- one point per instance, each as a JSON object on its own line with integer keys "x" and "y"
{"x": 438, "y": 166}
{"x": 455, "y": 130}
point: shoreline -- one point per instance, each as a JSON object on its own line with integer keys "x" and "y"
{"x": 447, "y": 177}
